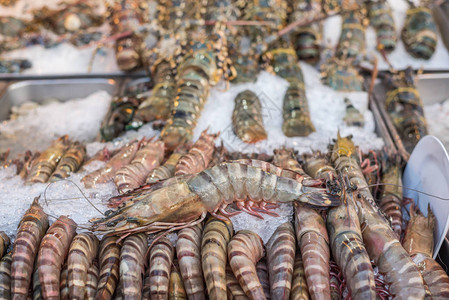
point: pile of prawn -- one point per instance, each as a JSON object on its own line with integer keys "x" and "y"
{"x": 343, "y": 242}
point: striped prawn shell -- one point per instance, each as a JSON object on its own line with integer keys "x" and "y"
{"x": 188, "y": 251}
{"x": 391, "y": 198}
{"x": 133, "y": 175}
{"x": 262, "y": 182}
{"x": 244, "y": 250}
{"x": 109, "y": 263}
{"x": 46, "y": 163}
{"x": 391, "y": 205}
{"x": 247, "y": 121}
{"x": 167, "y": 170}
{"x": 262, "y": 274}
{"x": 234, "y": 290}
{"x": 52, "y": 254}
{"x": 31, "y": 230}
{"x": 212, "y": 190}
{"x": 4, "y": 243}
{"x": 5, "y": 277}
{"x": 199, "y": 156}
{"x": 390, "y": 257}
{"x": 92, "y": 281}
{"x": 132, "y": 265}
{"x": 82, "y": 252}
{"x": 281, "y": 258}
{"x": 337, "y": 282}
{"x": 37, "y": 287}
{"x": 64, "y": 283}
{"x": 345, "y": 235}
{"x": 120, "y": 159}
{"x": 420, "y": 34}
{"x": 312, "y": 239}
{"x": 70, "y": 162}
{"x": 216, "y": 236}
{"x": 157, "y": 279}
{"x": 176, "y": 290}
{"x": 380, "y": 241}
{"x": 313, "y": 242}
{"x": 300, "y": 291}
{"x": 419, "y": 241}
{"x": 434, "y": 276}
{"x": 348, "y": 250}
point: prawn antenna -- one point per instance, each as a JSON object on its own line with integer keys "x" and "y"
{"x": 79, "y": 189}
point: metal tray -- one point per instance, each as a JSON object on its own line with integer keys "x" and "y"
{"x": 433, "y": 88}
{"x": 61, "y": 89}
{"x": 39, "y": 90}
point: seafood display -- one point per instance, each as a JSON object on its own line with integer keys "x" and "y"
{"x": 380, "y": 240}
{"x": 212, "y": 172}
{"x": 345, "y": 237}
{"x": 325, "y": 253}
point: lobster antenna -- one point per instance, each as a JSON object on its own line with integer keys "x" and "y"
{"x": 85, "y": 197}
